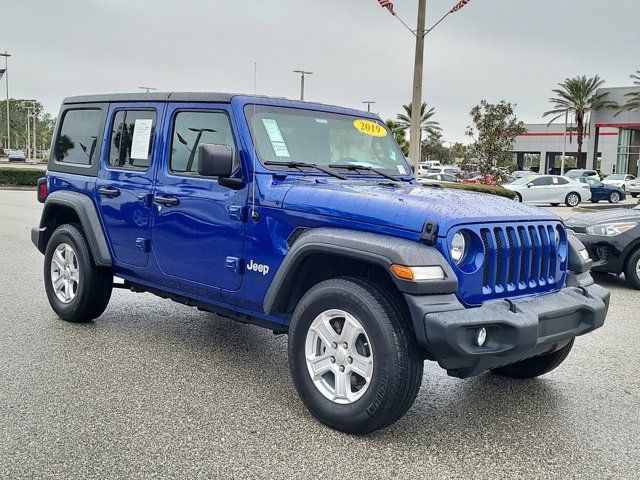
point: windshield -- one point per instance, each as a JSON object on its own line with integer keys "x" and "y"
{"x": 615, "y": 177}
{"x": 293, "y": 135}
{"x": 574, "y": 173}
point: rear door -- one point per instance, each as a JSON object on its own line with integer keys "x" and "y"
{"x": 125, "y": 180}
{"x": 198, "y": 225}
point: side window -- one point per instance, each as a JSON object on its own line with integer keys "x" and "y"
{"x": 538, "y": 182}
{"x": 78, "y": 137}
{"x": 560, "y": 180}
{"x": 131, "y": 141}
{"x": 191, "y": 129}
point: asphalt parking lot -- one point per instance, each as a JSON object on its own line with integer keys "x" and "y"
{"x": 153, "y": 389}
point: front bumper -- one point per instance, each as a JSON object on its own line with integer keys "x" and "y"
{"x": 516, "y": 329}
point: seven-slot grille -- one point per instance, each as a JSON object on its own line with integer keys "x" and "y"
{"x": 519, "y": 258}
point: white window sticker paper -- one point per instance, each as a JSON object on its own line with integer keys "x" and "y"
{"x": 275, "y": 135}
{"x": 401, "y": 169}
{"x": 141, "y": 139}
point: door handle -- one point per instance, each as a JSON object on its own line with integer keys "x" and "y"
{"x": 166, "y": 200}
{"x": 109, "y": 191}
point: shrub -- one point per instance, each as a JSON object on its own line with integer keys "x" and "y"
{"x": 20, "y": 176}
{"x": 481, "y": 188}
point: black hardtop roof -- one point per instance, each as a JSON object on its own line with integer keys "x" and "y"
{"x": 214, "y": 97}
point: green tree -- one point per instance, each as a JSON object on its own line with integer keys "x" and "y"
{"x": 427, "y": 125}
{"x": 18, "y": 111}
{"x": 433, "y": 149}
{"x": 633, "y": 98}
{"x": 399, "y": 134}
{"x": 578, "y": 96}
{"x": 494, "y": 129}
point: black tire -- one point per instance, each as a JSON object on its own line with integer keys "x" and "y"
{"x": 634, "y": 195}
{"x": 555, "y": 204}
{"x": 518, "y": 197}
{"x": 632, "y": 269}
{"x": 94, "y": 286}
{"x": 570, "y": 200}
{"x": 397, "y": 360}
{"x": 614, "y": 197}
{"x": 536, "y": 366}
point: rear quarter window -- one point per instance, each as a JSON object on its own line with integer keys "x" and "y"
{"x": 78, "y": 137}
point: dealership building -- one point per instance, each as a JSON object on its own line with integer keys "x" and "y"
{"x": 612, "y": 144}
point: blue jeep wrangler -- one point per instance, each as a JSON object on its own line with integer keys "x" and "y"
{"x": 306, "y": 219}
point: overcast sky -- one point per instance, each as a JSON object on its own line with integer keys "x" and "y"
{"x": 515, "y": 50}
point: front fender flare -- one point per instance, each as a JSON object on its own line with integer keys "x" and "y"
{"x": 373, "y": 248}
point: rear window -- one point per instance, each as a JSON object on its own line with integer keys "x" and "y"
{"x": 78, "y": 137}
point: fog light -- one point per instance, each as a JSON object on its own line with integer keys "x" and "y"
{"x": 481, "y": 337}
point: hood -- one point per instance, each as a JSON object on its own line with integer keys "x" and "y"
{"x": 604, "y": 216}
{"x": 406, "y": 206}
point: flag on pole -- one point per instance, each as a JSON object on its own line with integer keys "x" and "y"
{"x": 459, "y": 5}
{"x": 388, "y": 5}
{"x": 2, "y": 70}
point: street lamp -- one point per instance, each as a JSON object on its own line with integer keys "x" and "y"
{"x": 6, "y": 76}
{"x": 302, "y": 74}
{"x": 369, "y": 102}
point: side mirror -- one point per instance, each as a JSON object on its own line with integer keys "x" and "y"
{"x": 529, "y": 185}
{"x": 215, "y": 160}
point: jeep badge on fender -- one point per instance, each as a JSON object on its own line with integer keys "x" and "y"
{"x": 368, "y": 272}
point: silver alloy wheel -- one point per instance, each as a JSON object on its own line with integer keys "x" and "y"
{"x": 339, "y": 356}
{"x": 615, "y": 197}
{"x": 638, "y": 268}
{"x": 65, "y": 273}
{"x": 573, "y": 199}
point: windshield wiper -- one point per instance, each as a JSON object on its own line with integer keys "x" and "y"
{"x": 355, "y": 168}
{"x": 308, "y": 165}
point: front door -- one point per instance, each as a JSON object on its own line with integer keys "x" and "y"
{"x": 125, "y": 181}
{"x": 198, "y": 225}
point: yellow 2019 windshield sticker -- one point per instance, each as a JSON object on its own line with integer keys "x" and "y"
{"x": 369, "y": 127}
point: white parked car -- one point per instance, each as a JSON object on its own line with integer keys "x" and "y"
{"x": 621, "y": 180}
{"x": 449, "y": 170}
{"x": 551, "y": 189}
{"x": 17, "y": 156}
{"x": 423, "y": 169}
{"x": 577, "y": 173}
{"x": 634, "y": 188}
{"x": 439, "y": 178}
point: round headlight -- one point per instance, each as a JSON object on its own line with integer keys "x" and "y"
{"x": 458, "y": 247}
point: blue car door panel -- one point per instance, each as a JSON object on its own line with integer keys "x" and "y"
{"x": 125, "y": 181}
{"x": 198, "y": 225}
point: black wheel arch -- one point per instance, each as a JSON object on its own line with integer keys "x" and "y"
{"x": 339, "y": 251}
{"x": 63, "y": 207}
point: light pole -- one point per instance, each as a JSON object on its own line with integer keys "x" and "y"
{"x": 302, "y": 74}
{"x": 6, "y": 77}
{"x": 147, "y": 89}
{"x": 415, "y": 133}
{"x": 369, "y": 102}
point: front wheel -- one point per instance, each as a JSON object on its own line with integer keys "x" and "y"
{"x": 536, "y": 366}
{"x": 354, "y": 361}
{"x": 518, "y": 198}
{"x": 614, "y": 197}
{"x": 78, "y": 290}
{"x": 572, "y": 200}
{"x": 632, "y": 269}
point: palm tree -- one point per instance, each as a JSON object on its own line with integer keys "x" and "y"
{"x": 577, "y": 96}
{"x": 633, "y": 102}
{"x": 431, "y": 127}
{"x": 399, "y": 134}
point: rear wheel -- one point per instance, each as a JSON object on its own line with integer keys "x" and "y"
{"x": 614, "y": 197}
{"x": 536, "y": 366}
{"x": 572, "y": 200}
{"x": 632, "y": 269}
{"x": 353, "y": 358}
{"x": 78, "y": 290}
